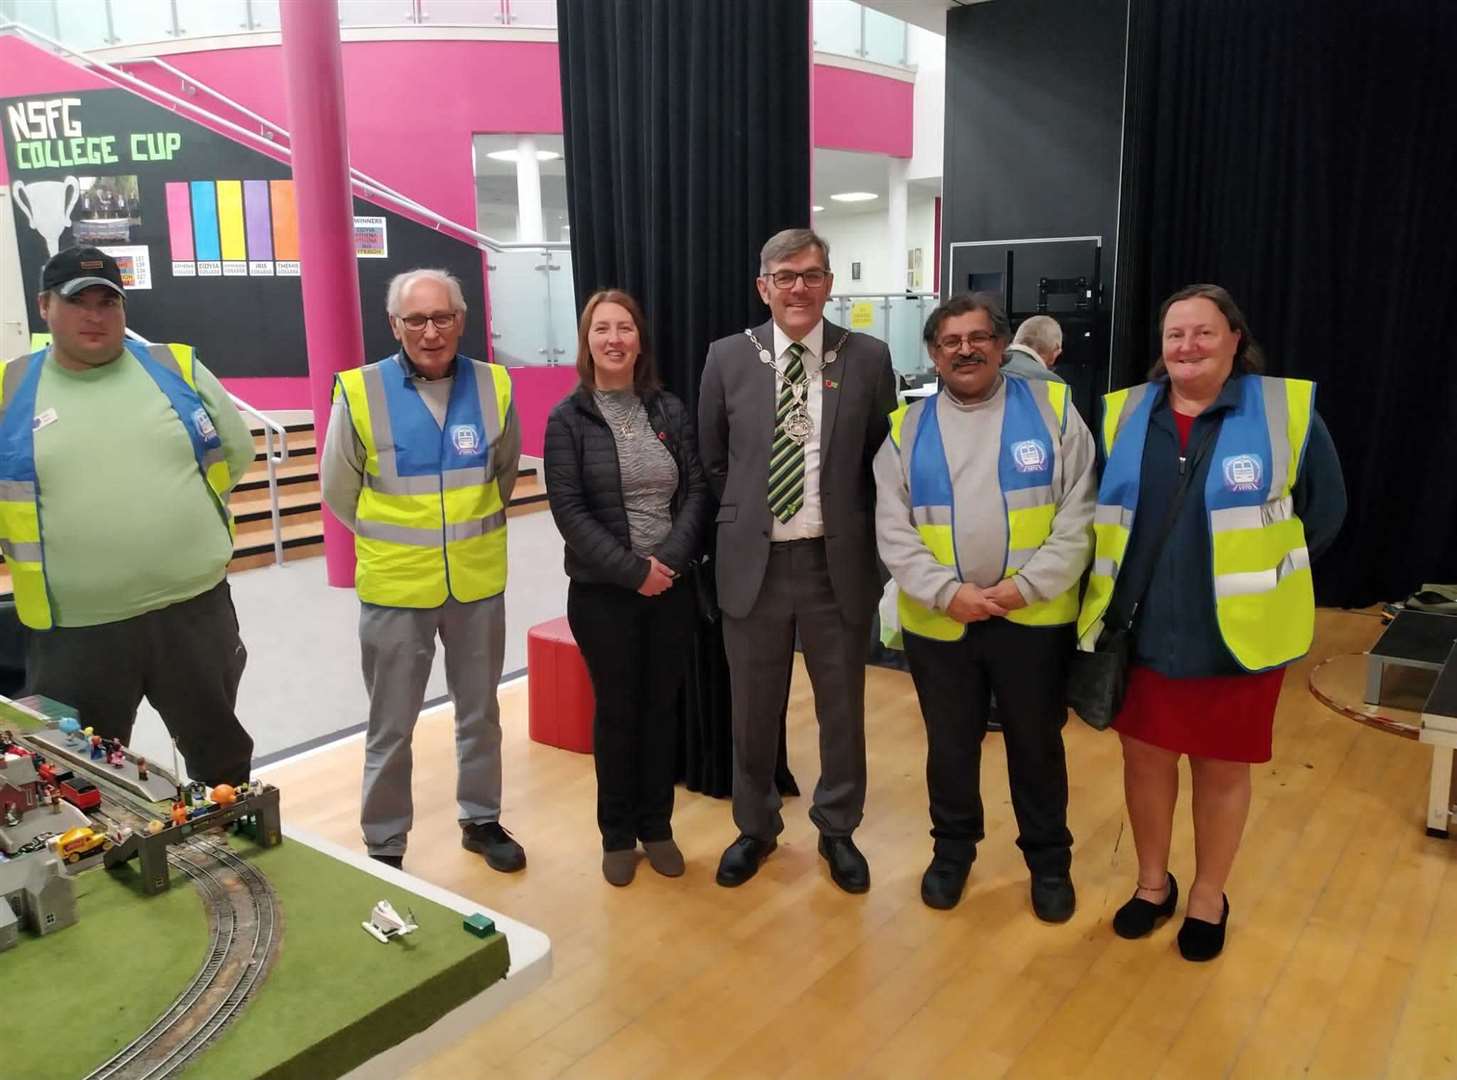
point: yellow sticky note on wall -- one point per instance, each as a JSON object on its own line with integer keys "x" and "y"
{"x": 862, "y": 315}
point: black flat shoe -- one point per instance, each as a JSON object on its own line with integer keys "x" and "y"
{"x": 848, "y": 868}
{"x": 943, "y": 882}
{"x": 1053, "y": 898}
{"x": 1200, "y": 940}
{"x": 1138, "y": 917}
{"x": 742, "y": 859}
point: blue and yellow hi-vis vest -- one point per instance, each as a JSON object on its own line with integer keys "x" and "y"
{"x": 1264, "y": 600}
{"x": 1034, "y": 421}
{"x": 170, "y": 366}
{"x": 430, "y": 521}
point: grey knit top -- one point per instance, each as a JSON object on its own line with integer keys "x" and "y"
{"x": 649, "y": 473}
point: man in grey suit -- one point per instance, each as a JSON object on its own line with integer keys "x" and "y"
{"x": 790, "y": 415}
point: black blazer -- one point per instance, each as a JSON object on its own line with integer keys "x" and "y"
{"x": 584, "y": 489}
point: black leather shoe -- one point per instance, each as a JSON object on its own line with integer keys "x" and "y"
{"x": 1053, "y": 898}
{"x": 397, "y": 861}
{"x": 1200, "y": 940}
{"x": 848, "y": 867}
{"x": 1138, "y": 917}
{"x": 741, "y": 860}
{"x": 943, "y": 882}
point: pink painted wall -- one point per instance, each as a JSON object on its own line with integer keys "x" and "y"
{"x": 854, "y": 110}
{"x": 413, "y": 105}
{"x": 26, "y": 70}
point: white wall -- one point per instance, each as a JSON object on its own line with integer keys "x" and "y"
{"x": 928, "y": 54}
{"x": 863, "y": 237}
{"x": 14, "y": 326}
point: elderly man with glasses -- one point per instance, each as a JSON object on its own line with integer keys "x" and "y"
{"x": 419, "y": 463}
{"x": 790, "y": 416}
{"x": 985, "y": 496}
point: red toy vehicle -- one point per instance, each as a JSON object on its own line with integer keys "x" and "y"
{"x": 80, "y": 793}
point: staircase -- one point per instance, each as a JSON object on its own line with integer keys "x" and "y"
{"x": 300, "y": 514}
{"x": 300, "y": 504}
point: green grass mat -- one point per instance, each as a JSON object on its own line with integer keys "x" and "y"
{"x": 336, "y": 996}
{"x": 79, "y": 995}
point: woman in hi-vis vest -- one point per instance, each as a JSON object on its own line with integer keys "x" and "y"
{"x": 1225, "y": 576}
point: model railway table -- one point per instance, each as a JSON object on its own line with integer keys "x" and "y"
{"x": 332, "y": 1001}
{"x": 1439, "y": 730}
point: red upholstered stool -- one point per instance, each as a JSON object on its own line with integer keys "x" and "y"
{"x": 561, "y": 701}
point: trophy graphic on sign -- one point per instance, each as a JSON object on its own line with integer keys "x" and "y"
{"x": 48, "y": 205}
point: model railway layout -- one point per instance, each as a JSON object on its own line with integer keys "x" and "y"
{"x": 244, "y": 924}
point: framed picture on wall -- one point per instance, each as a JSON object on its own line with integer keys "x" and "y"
{"x": 854, "y": 271}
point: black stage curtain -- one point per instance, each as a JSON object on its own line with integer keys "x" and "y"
{"x": 1302, "y": 154}
{"x": 687, "y": 146}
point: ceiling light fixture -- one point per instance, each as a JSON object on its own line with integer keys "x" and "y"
{"x": 816, "y": 209}
{"x": 512, "y": 156}
{"x": 855, "y": 196}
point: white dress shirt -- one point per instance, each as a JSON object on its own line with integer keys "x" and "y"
{"x": 807, "y": 521}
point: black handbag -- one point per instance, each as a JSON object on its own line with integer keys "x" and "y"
{"x": 1096, "y": 680}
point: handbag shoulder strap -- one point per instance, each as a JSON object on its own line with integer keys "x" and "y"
{"x": 1188, "y": 467}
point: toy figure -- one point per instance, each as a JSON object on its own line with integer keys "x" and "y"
{"x": 53, "y": 794}
{"x": 179, "y": 813}
{"x": 71, "y": 729}
{"x": 115, "y": 757}
{"x": 142, "y": 773}
{"x": 97, "y": 753}
{"x": 11, "y": 817}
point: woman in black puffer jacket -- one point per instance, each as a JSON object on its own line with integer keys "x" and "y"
{"x": 628, "y": 494}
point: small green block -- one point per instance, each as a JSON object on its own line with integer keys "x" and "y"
{"x": 479, "y": 925}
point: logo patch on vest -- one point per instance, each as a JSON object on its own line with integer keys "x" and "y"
{"x": 203, "y": 422}
{"x": 466, "y": 438}
{"x": 1243, "y": 472}
{"x": 1029, "y": 455}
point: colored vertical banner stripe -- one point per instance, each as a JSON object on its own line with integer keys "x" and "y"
{"x": 230, "y": 220}
{"x": 285, "y": 220}
{"x": 260, "y": 226}
{"x": 205, "y": 221}
{"x": 179, "y": 222}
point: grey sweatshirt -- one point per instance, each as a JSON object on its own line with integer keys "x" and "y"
{"x": 972, "y": 435}
{"x": 341, "y": 466}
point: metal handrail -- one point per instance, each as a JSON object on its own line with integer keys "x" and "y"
{"x": 369, "y": 187}
{"x": 272, "y": 458}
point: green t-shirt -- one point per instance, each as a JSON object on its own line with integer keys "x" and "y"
{"x": 128, "y": 523}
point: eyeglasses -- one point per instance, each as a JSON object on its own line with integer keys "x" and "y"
{"x": 953, "y": 344}
{"x": 417, "y": 322}
{"x": 785, "y": 279}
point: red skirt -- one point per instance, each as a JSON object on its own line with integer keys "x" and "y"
{"x": 1229, "y": 717}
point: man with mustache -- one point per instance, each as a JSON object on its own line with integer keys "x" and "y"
{"x": 985, "y": 496}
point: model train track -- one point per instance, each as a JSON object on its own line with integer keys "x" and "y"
{"x": 244, "y": 927}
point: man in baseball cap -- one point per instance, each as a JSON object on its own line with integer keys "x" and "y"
{"x": 118, "y": 460}
{"x": 77, "y": 268}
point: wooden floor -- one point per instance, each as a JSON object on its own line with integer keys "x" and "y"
{"x": 1341, "y": 958}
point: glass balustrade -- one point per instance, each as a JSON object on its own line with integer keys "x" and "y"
{"x": 850, "y": 29}
{"x": 895, "y": 318}
{"x": 533, "y": 306}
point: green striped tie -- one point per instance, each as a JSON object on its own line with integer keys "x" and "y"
{"x": 786, "y": 458}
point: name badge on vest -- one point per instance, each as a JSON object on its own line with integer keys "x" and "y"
{"x": 45, "y": 419}
{"x": 1243, "y": 472}
{"x": 1029, "y": 455}
{"x": 203, "y": 422}
{"x": 465, "y": 438}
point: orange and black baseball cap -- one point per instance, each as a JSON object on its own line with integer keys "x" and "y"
{"x": 77, "y": 268}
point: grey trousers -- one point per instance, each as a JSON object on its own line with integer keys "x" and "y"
{"x": 397, "y": 647}
{"x": 797, "y": 595}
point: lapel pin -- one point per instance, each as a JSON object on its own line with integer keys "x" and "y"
{"x": 831, "y": 384}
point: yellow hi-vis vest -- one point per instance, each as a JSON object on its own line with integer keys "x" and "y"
{"x": 1264, "y": 599}
{"x": 171, "y": 368}
{"x": 1034, "y": 420}
{"x": 430, "y": 521}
